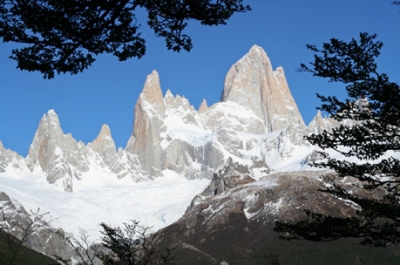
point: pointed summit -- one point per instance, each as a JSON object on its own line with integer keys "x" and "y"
{"x": 152, "y": 90}
{"x": 103, "y": 142}
{"x": 149, "y": 112}
{"x": 104, "y": 145}
{"x": 203, "y": 106}
{"x": 51, "y": 120}
{"x": 318, "y": 118}
{"x": 151, "y": 99}
{"x": 320, "y": 124}
{"x": 168, "y": 98}
{"x": 105, "y": 132}
{"x": 257, "y": 53}
{"x": 168, "y": 93}
{"x": 56, "y": 153}
{"x": 256, "y": 48}
{"x": 49, "y": 125}
{"x": 253, "y": 84}
{"x": 47, "y": 137}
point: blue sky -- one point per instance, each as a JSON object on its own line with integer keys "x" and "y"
{"x": 106, "y": 93}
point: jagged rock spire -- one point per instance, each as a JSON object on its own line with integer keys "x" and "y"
{"x": 104, "y": 143}
{"x": 47, "y": 137}
{"x": 56, "y": 153}
{"x": 170, "y": 134}
{"x": 152, "y": 93}
{"x": 203, "y": 106}
{"x": 252, "y": 83}
{"x": 149, "y": 112}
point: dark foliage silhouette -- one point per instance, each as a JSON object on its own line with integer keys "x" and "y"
{"x": 64, "y": 36}
{"x": 373, "y": 106}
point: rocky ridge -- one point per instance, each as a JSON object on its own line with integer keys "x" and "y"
{"x": 45, "y": 239}
{"x": 232, "y": 220}
{"x": 10, "y": 161}
{"x": 242, "y": 144}
{"x": 256, "y": 120}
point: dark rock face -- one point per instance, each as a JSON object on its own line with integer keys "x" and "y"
{"x": 230, "y": 176}
{"x": 314, "y": 156}
{"x": 46, "y": 239}
{"x": 233, "y": 220}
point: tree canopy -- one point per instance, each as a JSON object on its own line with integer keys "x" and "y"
{"x": 64, "y": 36}
{"x": 371, "y": 135}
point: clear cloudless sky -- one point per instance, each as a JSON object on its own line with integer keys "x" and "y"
{"x": 106, "y": 93}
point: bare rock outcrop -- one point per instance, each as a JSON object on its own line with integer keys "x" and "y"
{"x": 57, "y": 154}
{"x": 256, "y": 120}
{"x": 203, "y": 106}
{"x": 170, "y": 134}
{"x": 319, "y": 124}
{"x": 252, "y": 83}
{"x": 11, "y": 161}
{"x": 104, "y": 146}
{"x": 46, "y": 239}
{"x": 230, "y": 176}
{"x": 148, "y": 120}
{"x": 233, "y": 221}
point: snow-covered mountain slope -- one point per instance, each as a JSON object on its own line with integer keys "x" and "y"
{"x": 244, "y": 159}
{"x": 257, "y": 119}
{"x": 33, "y": 225}
{"x": 65, "y": 162}
{"x": 256, "y": 105}
{"x": 156, "y": 203}
{"x": 11, "y": 162}
{"x": 256, "y": 124}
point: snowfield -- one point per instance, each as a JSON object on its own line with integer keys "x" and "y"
{"x": 156, "y": 203}
{"x": 99, "y": 196}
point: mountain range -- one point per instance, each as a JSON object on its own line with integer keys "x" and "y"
{"x": 239, "y": 164}
{"x": 257, "y": 119}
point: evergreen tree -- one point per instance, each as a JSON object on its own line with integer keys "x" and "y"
{"x": 373, "y": 107}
